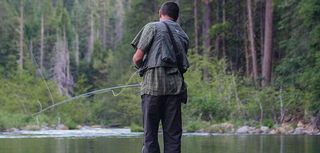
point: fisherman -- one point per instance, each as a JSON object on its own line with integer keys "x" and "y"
{"x": 161, "y": 57}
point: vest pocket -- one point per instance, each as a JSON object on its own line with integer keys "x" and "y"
{"x": 167, "y": 52}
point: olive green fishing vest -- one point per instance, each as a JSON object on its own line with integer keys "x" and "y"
{"x": 161, "y": 53}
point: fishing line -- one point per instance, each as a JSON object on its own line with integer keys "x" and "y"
{"x": 96, "y": 92}
{"x": 42, "y": 76}
{"x": 122, "y": 87}
{"x": 122, "y": 90}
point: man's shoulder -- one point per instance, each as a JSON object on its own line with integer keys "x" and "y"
{"x": 151, "y": 25}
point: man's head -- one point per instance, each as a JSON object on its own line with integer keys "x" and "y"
{"x": 169, "y": 9}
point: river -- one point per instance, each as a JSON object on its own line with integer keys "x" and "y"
{"x": 124, "y": 141}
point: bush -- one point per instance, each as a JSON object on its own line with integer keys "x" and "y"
{"x": 227, "y": 97}
{"x": 8, "y": 120}
{"x": 136, "y": 128}
{"x": 193, "y": 126}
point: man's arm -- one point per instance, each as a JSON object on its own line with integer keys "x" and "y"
{"x": 137, "y": 57}
{"x": 142, "y": 43}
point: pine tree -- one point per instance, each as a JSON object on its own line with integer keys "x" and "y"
{"x": 267, "y": 56}
{"x": 21, "y": 35}
{"x": 252, "y": 47}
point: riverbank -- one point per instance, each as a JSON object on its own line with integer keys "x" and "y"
{"x": 224, "y": 128}
{"x": 284, "y": 129}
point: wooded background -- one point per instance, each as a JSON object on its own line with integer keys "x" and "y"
{"x": 253, "y": 62}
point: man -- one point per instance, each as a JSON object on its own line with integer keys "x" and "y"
{"x": 162, "y": 72}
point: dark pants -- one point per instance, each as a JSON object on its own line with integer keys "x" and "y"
{"x": 166, "y": 109}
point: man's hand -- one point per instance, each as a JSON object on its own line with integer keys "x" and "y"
{"x": 137, "y": 57}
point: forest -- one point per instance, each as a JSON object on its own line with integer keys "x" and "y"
{"x": 253, "y": 62}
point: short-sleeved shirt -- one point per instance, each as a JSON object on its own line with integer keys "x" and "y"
{"x": 159, "y": 80}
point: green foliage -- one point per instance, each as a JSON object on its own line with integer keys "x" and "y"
{"x": 213, "y": 99}
{"x": 11, "y": 120}
{"x": 195, "y": 125}
{"x": 136, "y": 128}
{"x": 299, "y": 67}
{"x": 268, "y": 122}
{"x": 219, "y": 28}
{"x": 16, "y": 96}
{"x": 227, "y": 97}
{"x": 8, "y": 50}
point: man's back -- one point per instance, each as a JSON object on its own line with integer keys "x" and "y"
{"x": 156, "y": 57}
{"x": 160, "y": 77}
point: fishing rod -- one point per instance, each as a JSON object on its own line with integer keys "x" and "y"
{"x": 96, "y": 92}
{"x": 41, "y": 73}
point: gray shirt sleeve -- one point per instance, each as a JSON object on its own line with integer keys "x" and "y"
{"x": 144, "y": 38}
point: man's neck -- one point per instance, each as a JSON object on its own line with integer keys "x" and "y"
{"x": 165, "y": 18}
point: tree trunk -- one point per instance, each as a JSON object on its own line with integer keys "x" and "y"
{"x": 69, "y": 80}
{"x": 218, "y": 37}
{"x": 245, "y": 44}
{"x": 90, "y": 40}
{"x": 241, "y": 34}
{"x": 120, "y": 20}
{"x": 77, "y": 27}
{"x": 196, "y": 26}
{"x": 41, "y": 43}
{"x": 21, "y": 35}
{"x": 252, "y": 43}
{"x": 61, "y": 67}
{"x": 31, "y": 51}
{"x": 267, "y": 57}
{"x": 262, "y": 11}
{"x": 224, "y": 54}
{"x": 207, "y": 40}
{"x": 76, "y": 46}
{"x": 104, "y": 26}
{"x": 248, "y": 56}
{"x": 207, "y": 25}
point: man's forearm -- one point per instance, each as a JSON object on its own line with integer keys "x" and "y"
{"x": 137, "y": 57}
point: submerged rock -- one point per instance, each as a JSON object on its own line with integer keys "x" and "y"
{"x": 78, "y": 127}
{"x": 254, "y": 130}
{"x": 44, "y": 128}
{"x": 298, "y": 131}
{"x": 96, "y": 126}
{"x": 31, "y": 128}
{"x": 85, "y": 127}
{"x": 264, "y": 129}
{"x": 311, "y": 131}
{"x": 220, "y": 128}
{"x": 61, "y": 127}
{"x": 243, "y": 130}
{"x": 12, "y": 130}
{"x": 285, "y": 129}
{"x": 274, "y": 131}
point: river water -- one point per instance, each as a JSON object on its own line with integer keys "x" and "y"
{"x": 124, "y": 141}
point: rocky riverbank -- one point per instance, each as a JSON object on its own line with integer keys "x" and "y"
{"x": 284, "y": 129}
{"x": 57, "y": 127}
{"x": 224, "y": 128}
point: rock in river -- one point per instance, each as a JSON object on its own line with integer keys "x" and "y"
{"x": 298, "y": 130}
{"x": 264, "y": 129}
{"x": 62, "y": 127}
{"x": 243, "y": 130}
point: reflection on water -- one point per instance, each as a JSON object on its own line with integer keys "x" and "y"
{"x": 191, "y": 144}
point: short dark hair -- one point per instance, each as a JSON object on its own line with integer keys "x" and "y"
{"x": 171, "y": 9}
